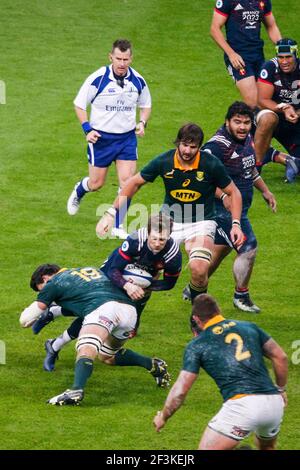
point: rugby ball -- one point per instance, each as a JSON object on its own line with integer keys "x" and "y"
{"x": 136, "y": 275}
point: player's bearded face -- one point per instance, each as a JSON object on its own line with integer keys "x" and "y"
{"x": 187, "y": 151}
{"x": 239, "y": 126}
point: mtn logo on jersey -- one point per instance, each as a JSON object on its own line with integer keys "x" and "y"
{"x": 185, "y": 195}
{"x": 238, "y": 7}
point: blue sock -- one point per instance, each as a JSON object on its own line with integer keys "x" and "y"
{"x": 82, "y": 187}
{"x": 120, "y": 215}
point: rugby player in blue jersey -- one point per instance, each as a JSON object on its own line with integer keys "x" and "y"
{"x": 232, "y": 353}
{"x": 278, "y": 96}
{"x": 114, "y": 93}
{"x": 233, "y": 145}
{"x": 243, "y": 50}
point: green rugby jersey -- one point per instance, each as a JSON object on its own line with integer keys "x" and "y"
{"x": 190, "y": 193}
{"x": 81, "y": 290}
{"x": 231, "y": 353}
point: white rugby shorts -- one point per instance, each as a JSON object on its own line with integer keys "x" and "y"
{"x": 117, "y": 318}
{"x": 261, "y": 414}
{"x": 185, "y": 231}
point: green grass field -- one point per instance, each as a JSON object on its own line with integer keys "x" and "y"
{"x": 47, "y": 49}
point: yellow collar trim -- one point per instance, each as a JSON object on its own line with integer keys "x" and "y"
{"x": 193, "y": 166}
{"x": 214, "y": 321}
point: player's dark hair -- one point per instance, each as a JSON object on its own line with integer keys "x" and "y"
{"x": 205, "y": 307}
{"x": 159, "y": 222}
{"x": 190, "y": 133}
{"x": 122, "y": 44}
{"x": 239, "y": 107}
{"x": 42, "y": 270}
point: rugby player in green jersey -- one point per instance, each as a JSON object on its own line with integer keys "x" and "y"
{"x": 232, "y": 353}
{"x": 190, "y": 177}
{"x": 109, "y": 318}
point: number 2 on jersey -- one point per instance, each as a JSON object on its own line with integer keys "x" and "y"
{"x": 240, "y": 355}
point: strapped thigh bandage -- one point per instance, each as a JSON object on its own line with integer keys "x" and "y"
{"x": 108, "y": 350}
{"x": 200, "y": 253}
{"x": 89, "y": 340}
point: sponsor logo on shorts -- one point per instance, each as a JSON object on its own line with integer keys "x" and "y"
{"x": 219, "y": 4}
{"x": 185, "y": 195}
{"x": 105, "y": 322}
{"x": 238, "y": 432}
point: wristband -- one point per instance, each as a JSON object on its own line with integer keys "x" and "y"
{"x": 111, "y": 211}
{"x": 236, "y": 222}
{"x": 144, "y": 122}
{"x": 223, "y": 195}
{"x": 86, "y": 127}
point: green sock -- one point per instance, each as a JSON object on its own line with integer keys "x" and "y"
{"x": 195, "y": 290}
{"x": 83, "y": 370}
{"x": 126, "y": 357}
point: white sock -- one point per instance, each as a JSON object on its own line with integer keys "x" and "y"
{"x": 60, "y": 341}
{"x": 55, "y": 310}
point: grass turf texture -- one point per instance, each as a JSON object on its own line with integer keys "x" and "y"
{"x": 47, "y": 50}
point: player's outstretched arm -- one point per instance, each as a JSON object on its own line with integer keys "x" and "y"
{"x": 175, "y": 398}
{"x": 107, "y": 220}
{"x": 32, "y": 313}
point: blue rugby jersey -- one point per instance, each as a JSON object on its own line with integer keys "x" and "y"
{"x": 239, "y": 160}
{"x": 286, "y": 85}
{"x": 243, "y": 25}
{"x": 135, "y": 250}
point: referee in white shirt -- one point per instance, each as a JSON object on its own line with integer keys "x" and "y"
{"x": 113, "y": 92}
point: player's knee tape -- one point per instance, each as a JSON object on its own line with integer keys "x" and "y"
{"x": 108, "y": 350}
{"x": 89, "y": 340}
{"x": 262, "y": 113}
{"x": 201, "y": 254}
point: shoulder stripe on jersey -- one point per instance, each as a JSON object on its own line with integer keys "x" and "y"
{"x": 103, "y": 82}
{"x": 220, "y": 138}
{"x": 138, "y": 82}
{"x": 172, "y": 252}
{"x": 275, "y": 61}
{"x": 142, "y": 236}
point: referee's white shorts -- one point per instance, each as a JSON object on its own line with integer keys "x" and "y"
{"x": 239, "y": 417}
